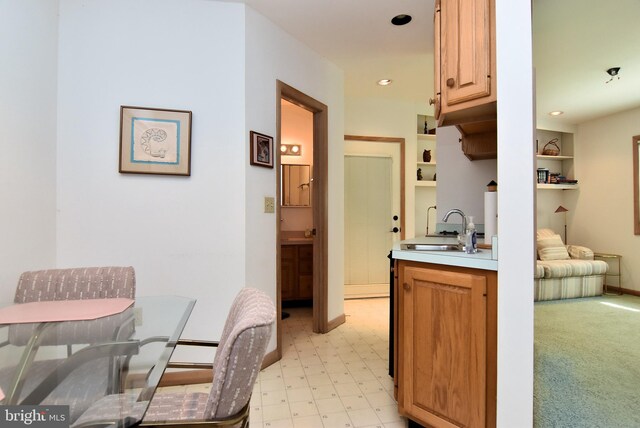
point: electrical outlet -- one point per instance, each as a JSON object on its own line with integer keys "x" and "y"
{"x": 269, "y": 204}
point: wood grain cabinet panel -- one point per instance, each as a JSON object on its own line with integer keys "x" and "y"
{"x": 446, "y": 352}
{"x": 296, "y": 266}
{"x": 465, "y": 83}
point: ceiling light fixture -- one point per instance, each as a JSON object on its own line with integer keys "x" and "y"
{"x": 402, "y": 19}
{"x": 384, "y": 82}
{"x": 556, "y": 113}
{"x": 613, "y": 72}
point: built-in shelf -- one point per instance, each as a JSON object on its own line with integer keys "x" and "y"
{"x": 543, "y": 186}
{"x": 425, "y": 183}
{"x": 426, "y": 136}
{"x": 547, "y": 157}
{"x": 426, "y": 163}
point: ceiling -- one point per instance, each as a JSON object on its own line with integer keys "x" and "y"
{"x": 575, "y": 42}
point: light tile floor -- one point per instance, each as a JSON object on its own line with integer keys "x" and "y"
{"x": 334, "y": 380}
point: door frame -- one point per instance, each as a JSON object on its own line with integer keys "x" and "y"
{"x": 393, "y": 140}
{"x": 319, "y": 204}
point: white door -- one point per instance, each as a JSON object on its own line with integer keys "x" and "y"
{"x": 369, "y": 221}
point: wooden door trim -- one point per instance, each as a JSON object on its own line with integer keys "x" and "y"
{"x": 320, "y": 202}
{"x": 395, "y": 140}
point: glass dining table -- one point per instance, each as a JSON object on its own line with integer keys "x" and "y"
{"x": 60, "y": 368}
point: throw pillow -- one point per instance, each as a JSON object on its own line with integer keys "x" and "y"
{"x": 552, "y": 248}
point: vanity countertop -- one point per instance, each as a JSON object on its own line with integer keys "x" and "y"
{"x": 481, "y": 260}
{"x": 296, "y": 241}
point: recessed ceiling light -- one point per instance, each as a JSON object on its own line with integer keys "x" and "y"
{"x": 556, "y": 113}
{"x": 384, "y": 82}
{"x": 402, "y": 19}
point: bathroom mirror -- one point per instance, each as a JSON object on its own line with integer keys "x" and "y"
{"x": 296, "y": 186}
{"x": 636, "y": 186}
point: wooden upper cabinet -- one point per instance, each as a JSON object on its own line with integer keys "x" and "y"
{"x": 465, "y": 61}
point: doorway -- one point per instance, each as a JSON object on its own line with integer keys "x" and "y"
{"x": 369, "y": 220}
{"x": 374, "y": 212}
{"x": 319, "y": 201}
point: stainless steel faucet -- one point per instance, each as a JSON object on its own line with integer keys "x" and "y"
{"x": 428, "y": 210}
{"x": 464, "y": 218}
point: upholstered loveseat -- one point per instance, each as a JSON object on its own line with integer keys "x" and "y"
{"x": 565, "y": 271}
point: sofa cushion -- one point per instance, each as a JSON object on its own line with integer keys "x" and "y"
{"x": 545, "y": 233}
{"x": 539, "y": 273}
{"x": 552, "y": 248}
{"x": 567, "y": 268}
{"x": 579, "y": 252}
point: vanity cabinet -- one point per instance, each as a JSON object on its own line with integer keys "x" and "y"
{"x": 296, "y": 267}
{"x": 465, "y": 73}
{"x": 446, "y": 344}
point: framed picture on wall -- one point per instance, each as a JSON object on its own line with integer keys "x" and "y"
{"x": 261, "y": 149}
{"x": 155, "y": 141}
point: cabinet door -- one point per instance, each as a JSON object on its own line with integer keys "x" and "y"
{"x": 288, "y": 271}
{"x": 305, "y": 271}
{"x": 443, "y": 360}
{"x": 466, "y": 51}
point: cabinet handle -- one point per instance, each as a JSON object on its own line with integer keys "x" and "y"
{"x": 450, "y": 82}
{"x": 406, "y": 286}
{"x": 432, "y": 101}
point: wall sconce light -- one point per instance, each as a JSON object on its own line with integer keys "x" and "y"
{"x": 291, "y": 149}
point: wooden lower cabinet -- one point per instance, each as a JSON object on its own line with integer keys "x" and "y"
{"x": 446, "y": 345}
{"x": 296, "y": 267}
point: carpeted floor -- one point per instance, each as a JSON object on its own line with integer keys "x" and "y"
{"x": 587, "y": 363}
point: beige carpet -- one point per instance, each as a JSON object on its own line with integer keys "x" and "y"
{"x": 587, "y": 363}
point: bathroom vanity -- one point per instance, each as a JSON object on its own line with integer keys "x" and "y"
{"x": 296, "y": 266}
{"x": 445, "y": 324}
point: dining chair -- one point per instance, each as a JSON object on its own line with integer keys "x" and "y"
{"x": 95, "y": 378}
{"x": 235, "y": 367}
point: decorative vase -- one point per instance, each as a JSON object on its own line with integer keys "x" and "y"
{"x": 426, "y": 156}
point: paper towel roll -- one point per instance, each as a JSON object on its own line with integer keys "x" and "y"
{"x": 490, "y": 215}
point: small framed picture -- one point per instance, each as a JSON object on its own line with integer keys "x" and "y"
{"x": 155, "y": 141}
{"x": 261, "y": 150}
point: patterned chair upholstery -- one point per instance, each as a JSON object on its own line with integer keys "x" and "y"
{"x": 575, "y": 275}
{"x": 92, "y": 377}
{"x": 236, "y": 365}
{"x": 76, "y": 284}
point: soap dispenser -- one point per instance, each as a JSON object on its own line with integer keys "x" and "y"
{"x": 471, "y": 245}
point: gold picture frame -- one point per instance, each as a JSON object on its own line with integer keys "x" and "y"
{"x": 155, "y": 141}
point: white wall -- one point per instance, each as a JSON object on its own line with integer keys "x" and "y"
{"x": 29, "y": 34}
{"x": 463, "y": 182}
{"x": 183, "y": 235}
{"x": 516, "y": 194}
{"x": 386, "y": 117}
{"x": 272, "y": 54}
{"x": 603, "y": 215}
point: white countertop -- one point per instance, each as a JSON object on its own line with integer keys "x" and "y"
{"x": 480, "y": 260}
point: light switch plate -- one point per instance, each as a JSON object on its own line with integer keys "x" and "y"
{"x": 269, "y": 204}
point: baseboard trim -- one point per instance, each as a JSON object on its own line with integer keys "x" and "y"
{"x": 270, "y": 358}
{"x": 624, "y": 290}
{"x": 339, "y": 320}
{"x": 190, "y": 377}
{"x": 186, "y": 377}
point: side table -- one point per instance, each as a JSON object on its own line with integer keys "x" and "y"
{"x": 618, "y": 273}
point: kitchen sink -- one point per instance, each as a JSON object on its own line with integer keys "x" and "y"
{"x": 431, "y": 247}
